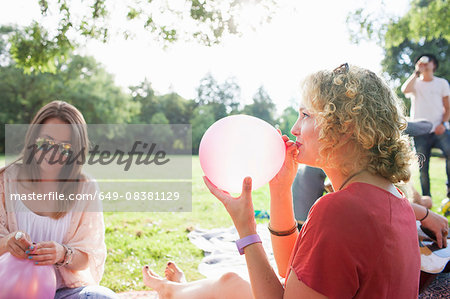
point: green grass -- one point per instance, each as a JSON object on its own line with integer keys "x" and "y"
{"x": 137, "y": 239}
{"x": 438, "y": 179}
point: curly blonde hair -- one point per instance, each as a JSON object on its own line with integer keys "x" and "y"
{"x": 354, "y": 107}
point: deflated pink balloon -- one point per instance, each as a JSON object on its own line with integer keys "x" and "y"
{"x": 238, "y": 146}
{"x": 21, "y": 279}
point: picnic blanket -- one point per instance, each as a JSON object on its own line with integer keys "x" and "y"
{"x": 221, "y": 254}
{"x": 439, "y": 288}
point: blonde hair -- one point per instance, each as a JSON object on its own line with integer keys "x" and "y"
{"x": 354, "y": 107}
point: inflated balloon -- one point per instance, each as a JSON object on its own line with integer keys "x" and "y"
{"x": 20, "y": 278}
{"x": 238, "y": 146}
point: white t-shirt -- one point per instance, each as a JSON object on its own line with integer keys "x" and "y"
{"x": 426, "y": 100}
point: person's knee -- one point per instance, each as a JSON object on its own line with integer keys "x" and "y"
{"x": 446, "y": 151}
{"x": 230, "y": 278}
{"x": 423, "y": 147}
{"x": 97, "y": 292}
{"x": 424, "y": 163}
{"x": 231, "y": 285}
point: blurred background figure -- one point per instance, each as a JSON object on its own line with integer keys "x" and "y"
{"x": 429, "y": 100}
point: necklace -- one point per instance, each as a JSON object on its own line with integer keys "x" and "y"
{"x": 349, "y": 178}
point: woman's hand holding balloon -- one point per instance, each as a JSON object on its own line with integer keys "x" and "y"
{"x": 240, "y": 208}
{"x": 48, "y": 253}
{"x": 285, "y": 177}
{"x": 18, "y": 246}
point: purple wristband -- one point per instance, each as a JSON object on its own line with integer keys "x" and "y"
{"x": 244, "y": 242}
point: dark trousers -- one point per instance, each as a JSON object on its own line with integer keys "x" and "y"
{"x": 424, "y": 144}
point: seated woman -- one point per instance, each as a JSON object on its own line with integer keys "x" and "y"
{"x": 49, "y": 232}
{"x": 357, "y": 242}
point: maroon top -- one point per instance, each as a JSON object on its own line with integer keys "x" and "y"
{"x": 360, "y": 242}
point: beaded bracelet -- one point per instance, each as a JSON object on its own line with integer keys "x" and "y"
{"x": 67, "y": 256}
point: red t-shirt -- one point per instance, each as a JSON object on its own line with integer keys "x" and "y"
{"x": 360, "y": 242}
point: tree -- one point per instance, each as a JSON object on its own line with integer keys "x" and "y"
{"x": 85, "y": 83}
{"x": 287, "y": 120}
{"x": 163, "y": 134}
{"x": 425, "y": 20}
{"x": 223, "y": 98}
{"x": 202, "y": 119}
{"x": 423, "y": 29}
{"x": 5, "y": 57}
{"x": 177, "y": 109}
{"x": 230, "y": 95}
{"x": 148, "y": 101}
{"x": 80, "y": 81}
{"x": 262, "y": 106}
{"x": 205, "y": 21}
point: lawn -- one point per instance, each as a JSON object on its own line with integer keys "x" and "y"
{"x": 137, "y": 239}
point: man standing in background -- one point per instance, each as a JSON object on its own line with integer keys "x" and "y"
{"x": 429, "y": 100}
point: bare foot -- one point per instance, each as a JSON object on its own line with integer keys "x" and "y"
{"x": 173, "y": 273}
{"x": 153, "y": 280}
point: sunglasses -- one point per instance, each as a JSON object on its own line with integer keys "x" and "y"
{"x": 46, "y": 144}
{"x": 342, "y": 69}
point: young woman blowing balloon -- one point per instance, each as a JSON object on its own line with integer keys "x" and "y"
{"x": 357, "y": 242}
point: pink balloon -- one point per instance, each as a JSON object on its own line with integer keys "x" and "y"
{"x": 21, "y": 278}
{"x": 238, "y": 146}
